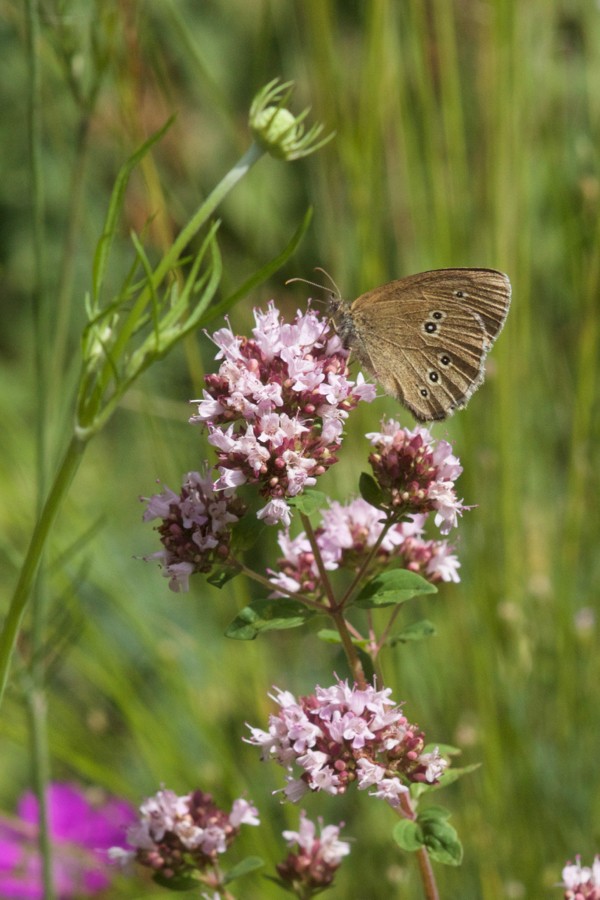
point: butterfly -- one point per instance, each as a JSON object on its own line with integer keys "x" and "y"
{"x": 425, "y": 337}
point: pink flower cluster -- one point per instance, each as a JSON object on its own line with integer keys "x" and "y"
{"x": 312, "y": 866}
{"x": 196, "y": 527}
{"x": 345, "y": 537}
{"x": 582, "y": 882}
{"x": 276, "y": 408}
{"x": 416, "y": 472}
{"x": 339, "y": 735}
{"x": 178, "y": 835}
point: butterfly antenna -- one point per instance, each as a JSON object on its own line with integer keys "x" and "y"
{"x": 328, "y": 276}
{"x": 321, "y": 287}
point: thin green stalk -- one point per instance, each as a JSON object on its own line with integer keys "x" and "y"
{"x": 242, "y": 166}
{"x": 38, "y": 243}
{"x": 35, "y": 692}
{"x": 169, "y": 260}
{"x": 37, "y": 710}
{"x": 74, "y": 452}
{"x": 14, "y": 616}
{"x": 65, "y": 282}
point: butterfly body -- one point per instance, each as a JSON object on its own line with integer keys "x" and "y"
{"x": 425, "y": 337}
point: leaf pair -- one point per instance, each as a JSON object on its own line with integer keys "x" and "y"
{"x": 386, "y": 589}
{"x": 432, "y": 831}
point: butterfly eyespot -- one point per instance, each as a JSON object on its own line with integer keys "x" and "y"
{"x": 433, "y": 376}
{"x": 459, "y": 293}
{"x": 436, "y": 314}
{"x": 424, "y": 392}
{"x": 430, "y": 327}
{"x": 445, "y": 359}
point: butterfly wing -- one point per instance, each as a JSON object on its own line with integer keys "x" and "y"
{"x": 425, "y": 337}
{"x": 485, "y": 291}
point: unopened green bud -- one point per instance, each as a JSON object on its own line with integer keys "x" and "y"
{"x": 276, "y": 130}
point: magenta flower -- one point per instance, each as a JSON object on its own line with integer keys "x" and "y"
{"x": 581, "y": 882}
{"x": 196, "y": 528}
{"x": 276, "y": 408}
{"x": 339, "y": 735}
{"x": 416, "y": 473}
{"x": 346, "y": 535}
{"x": 81, "y": 831}
{"x": 177, "y": 836}
{"x": 313, "y": 862}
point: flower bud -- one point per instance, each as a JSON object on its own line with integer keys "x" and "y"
{"x": 275, "y": 130}
{"x": 278, "y": 131}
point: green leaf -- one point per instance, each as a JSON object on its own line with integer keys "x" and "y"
{"x": 433, "y": 831}
{"x": 197, "y": 294}
{"x": 453, "y": 774}
{"x": 268, "y": 615}
{"x": 245, "y": 532}
{"x": 440, "y": 838}
{"x": 329, "y": 636}
{"x": 250, "y": 864}
{"x": 434, "y": 814}
{"x": 407, "y": 835}
{"x": 370, "y": 490}
{"x": 309, "y": 502}
{"x": 418, "y": 631}
{"x": 114, "y": 209}
{"x": 284, "y": 887}
{"x": 219, "y": 309}
{"x": 176, "y": 884}
{"x": 222, "y": 574}
{"x": 391, "y": 588}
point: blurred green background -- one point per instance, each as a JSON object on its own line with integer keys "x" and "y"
{"x": 467, "y": 134}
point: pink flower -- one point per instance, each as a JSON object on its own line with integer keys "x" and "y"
{"x": 581, "y": 882}
{"x": 275, "y": 409}
{"x": 345, "y": 537}
{"x": 179, "y": 835}
{"x": 339, "y": 735}
{"x": 416, "y": 473}
{"x": 276, "y": 512}
{"x": 312, "y": 865}
{"x": 81, "y": 831}
{"x": 196, "y": 527}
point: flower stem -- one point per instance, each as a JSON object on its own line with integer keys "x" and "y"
{"x": 154, "y": 279}
{"x": 260, "y": 579}
{"x": 425, "y": 867}
{"x": 326, "y": 583}
{"x": 242, "y": 166}
{"x": 67, "y": 266}
{"x": 35, "y": 694}
{"x": 38, "y": 726}
{"x": 350, "y": 650}
{"x": 334, "y": 610}
{"x": 14, "y": 616}
{"x": 366, "y": 562}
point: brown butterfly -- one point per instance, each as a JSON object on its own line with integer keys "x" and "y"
{"x": 425, "y": 337}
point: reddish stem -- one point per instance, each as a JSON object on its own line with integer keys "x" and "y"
{"x": 425, "y": 868}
